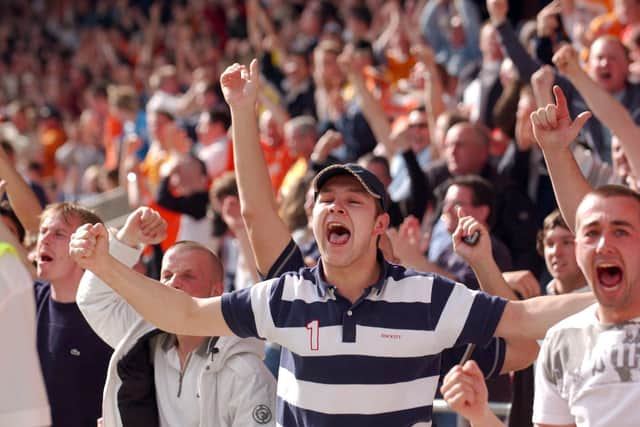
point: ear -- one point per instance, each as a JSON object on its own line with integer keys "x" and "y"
{"x": 381, "y": 224}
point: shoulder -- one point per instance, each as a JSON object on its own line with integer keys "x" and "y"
{"x": 579, "y": 320}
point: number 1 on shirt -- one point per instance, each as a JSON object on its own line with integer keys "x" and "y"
{"x": 314, "y": 334}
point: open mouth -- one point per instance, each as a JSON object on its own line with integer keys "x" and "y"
{"x": 337, "y": 233}
{"x": 44, "y": 258}
{"x": 609, "y": 276}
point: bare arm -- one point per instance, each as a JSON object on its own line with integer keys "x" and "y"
{"x": 480, "y": 257}
{"x": 606, "y": 108}
{"x": 554, "y": 131}
{"x": 267, "y": 233}
{"x": 539, "y": 313}
{"x": 23, "y": 201}
{"x": 519, "y": 354}
{"x": 152, "y": 300}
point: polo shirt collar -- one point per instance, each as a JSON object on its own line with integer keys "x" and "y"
{"x": 322, "y": 286}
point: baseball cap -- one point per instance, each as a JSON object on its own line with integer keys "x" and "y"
{"x": 369, "y": 181}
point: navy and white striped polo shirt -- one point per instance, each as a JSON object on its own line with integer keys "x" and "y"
{"x": 375, "y": 362}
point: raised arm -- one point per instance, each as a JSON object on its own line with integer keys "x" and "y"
{"x": 371, "y": 107}
{"x": 554, "y": 131}
{"x": 106, "y": 312}
{"x": 267, "y": 233}
{"x": 525, "y": 64}
{"x": 538, "y": 314}
{"x": 23, "y": 201}
{"x": 169, "y": 309}
{"x": 604, "y": 106}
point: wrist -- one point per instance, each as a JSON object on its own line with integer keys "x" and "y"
{"x": 124, "y": 236}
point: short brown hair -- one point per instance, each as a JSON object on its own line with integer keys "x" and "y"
{"x": 71, "y": 210}
{"x": 551, "y": 221}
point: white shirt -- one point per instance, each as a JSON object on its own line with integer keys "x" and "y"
{"x": 23, "y": 399}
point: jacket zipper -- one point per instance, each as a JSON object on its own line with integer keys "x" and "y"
{"x": 182, "y": 371}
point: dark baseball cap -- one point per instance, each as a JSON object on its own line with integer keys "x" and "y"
{"x": 369, "y": 181}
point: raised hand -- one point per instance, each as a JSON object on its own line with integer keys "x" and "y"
{"x": 547, "y": 19}
{"x": 89, "y": 246}
{"x": 143, "y": 226}
{"x": 240, "y": 85}
{"x": 466, "y": 393}
{"x": 523, "y": 282}
{"x": 498, "y": 10}
{"x": 472, "y": 254}
{"x": 543, "y": 79}
{"x": 552, "y": 125}
{"x": 566, "y": 59}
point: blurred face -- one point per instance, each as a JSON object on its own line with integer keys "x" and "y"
{"x": 345, "y": 223}
{"x": 464, "y": 151}
{"x": 296, "y": 68}
{"x": 190, "y": 271}
{"x": 608, "y": 65}
{"x": 53, "y": 262}
{"x": 620, "y": 162}
{"x": 627, "y": 11}
{"x": 526, "y": 105}
{"x": 607, "y": 242}
{"x": 204, "y": 127}
{"x": 489, "y": 43}
{"x": 560, "y": 256}
{"x": 462, "y": 196}
{"x": 326, "y": 64}
{"x": 188, "y": 177}
{"x": 269, "y": 129}
{"x": 419, "y": 130}
{"x": 380, "y": 171}
{"x": 298, "y": 142}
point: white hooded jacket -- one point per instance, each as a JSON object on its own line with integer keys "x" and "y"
{"x": 234, "y": 387}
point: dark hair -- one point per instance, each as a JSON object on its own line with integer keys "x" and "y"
{"x": 7, "y": 147}
{"x": 482, "y": 191}
{"x": 224, "y": 185}
{"x": 551, "y": 221}
{"x": 362, "y": 13}
{"x": 219, "y": 114}
{"x": 7, "y": 211}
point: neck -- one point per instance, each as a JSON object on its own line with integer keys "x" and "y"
{"x": 64, "y": 291}
{"x": 186, "y": 344}
{"x": 611, "y": 315}
{"x": 568, "y": 285}
{"x": 353, "y": 279}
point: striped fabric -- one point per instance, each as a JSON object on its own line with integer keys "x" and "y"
{"x": 372, "y": 363}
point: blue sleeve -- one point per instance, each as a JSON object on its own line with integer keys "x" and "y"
{"x": 482, "y": 320}
{"x": 290, "y": 259}
{"x": 238, "y": 313}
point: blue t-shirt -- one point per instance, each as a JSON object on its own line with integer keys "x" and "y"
{"x": 74, "y": 361}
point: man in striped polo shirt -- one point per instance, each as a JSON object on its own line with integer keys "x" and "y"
{"x": 361, "y": 338}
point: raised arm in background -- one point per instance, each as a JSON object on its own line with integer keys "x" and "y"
{"x": 267, "y": 233}
{"x": 554, "y": 131}
{"x": 602, "y": 104}
{"x": 24, "y": 202}
{"x": 538, "y": 314}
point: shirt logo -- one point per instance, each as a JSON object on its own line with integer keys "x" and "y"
{"x": 262, "y": 414}
{"x": 390, "y": 336}
{"x": 74, "y": 352}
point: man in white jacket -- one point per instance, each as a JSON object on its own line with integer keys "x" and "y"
{"x": 160, "y": 379}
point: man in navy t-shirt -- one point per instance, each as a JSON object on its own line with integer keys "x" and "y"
{"x": 73, "y": 358}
